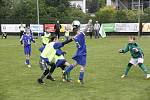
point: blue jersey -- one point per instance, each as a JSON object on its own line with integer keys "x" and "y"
{"x": 27, "y": 39}
{"x": 80, "y": 43}
{"x": 80, "y": 55}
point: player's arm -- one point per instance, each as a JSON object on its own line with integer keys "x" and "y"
{"x": 41, "y": 49}
{"x": 58, "y": 45}
{"x": 126, "y": 49}
{"x": 60, "y": 52}
{"x": 32, "y": 39}
{"x": 67, "y": 41}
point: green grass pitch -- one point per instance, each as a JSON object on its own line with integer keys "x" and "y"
{"x": 102, "y": 76}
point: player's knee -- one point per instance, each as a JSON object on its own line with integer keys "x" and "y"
{"x": 82, "y": 69}
{"x": 140, "y": 64}
{"x": 46, "y": 72}
{"x": 52, "y": 65}
{"x": 27, "y": 56}
{"x": 129, "y": 64}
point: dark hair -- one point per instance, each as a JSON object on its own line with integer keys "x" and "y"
{"x": 133, "y": 37}
{"x": 52, "y": 38}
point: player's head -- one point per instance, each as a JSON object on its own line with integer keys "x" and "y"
{"x": 57, "y": 21}
{"x": 131, "y": 39}
{"x": 54, "y": 39}
{"x": 76, "y": 25}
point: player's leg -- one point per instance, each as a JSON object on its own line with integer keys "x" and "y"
{"x": 27, "y": 51}
{"x": 70, "y": 67}
{"x": 69, "y": 79}
{"x": 80, "y": 80}
{"x": 45, "y": 70}
{"x": 143, "y": 67}
{"x": 127, "y": 70}
{"x": 49, "y": 76}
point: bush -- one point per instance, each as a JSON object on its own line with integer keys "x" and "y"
{"x": 106, "y": 15}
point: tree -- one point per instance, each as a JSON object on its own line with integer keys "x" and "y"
{"x": 92, "y": 5}
{"x": 106, "y": 15}
{"x": 6, "y": 7}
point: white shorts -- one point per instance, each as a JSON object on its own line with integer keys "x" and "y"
{"x": 136, "y": 61}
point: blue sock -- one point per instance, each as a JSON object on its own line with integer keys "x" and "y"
{"x": 81, "y": 76}
{"x": 68, "y": 69}
{"x": 28, "y": 61}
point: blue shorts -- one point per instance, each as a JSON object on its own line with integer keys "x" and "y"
{"x": 27, "y": 50}
{"x": 80, "y": 59}
{"x": 60, "y": 62}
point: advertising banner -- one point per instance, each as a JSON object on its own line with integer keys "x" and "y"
{"x": 108, "y": 27}
{"x": 12, "y": 28}
{"x": 49, "y": 27}
{"x": 36, "y": 28}
{"x": 126, "y": 27}
{"x": 145, "y": 27}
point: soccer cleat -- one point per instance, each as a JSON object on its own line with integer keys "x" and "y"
{"x": 29, "y": 66}
{"x": 69, "y": 80}
{"x": 147, "y": 76}
{"x": 40, "y": 81}
{"x": 51, "y": 78}
{"x": 80, "y": 81}
{"x": 123, "y": 76}
{"x": 25, "y": 63}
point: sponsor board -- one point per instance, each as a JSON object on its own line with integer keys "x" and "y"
{"x": 12, "y": 28}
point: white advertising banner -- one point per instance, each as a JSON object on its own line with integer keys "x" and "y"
{"x": 12, "y": 28}
{"x": 35, "y": 28}
{"x": 126, "y": 27}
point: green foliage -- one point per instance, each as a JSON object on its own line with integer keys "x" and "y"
{"x": 132, "y": 16}
{"x": 25, "y": 12}
{"x": 106, "y": 15}
{"x": 92, "y": 6}
{"x": 102, "y": 3}
{"x": 121, "y": 16}
{"x": 6, "y": 7}
{"x": 75, "y": 14}
{"x": 146, "y": 15}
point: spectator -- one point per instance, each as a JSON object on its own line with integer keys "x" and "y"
{"x": 57, "y": 28}
{"x": 89, "y": 28}
{"x": 96, "y": 29}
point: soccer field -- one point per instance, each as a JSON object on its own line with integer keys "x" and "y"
{"x": 102, "y": 77}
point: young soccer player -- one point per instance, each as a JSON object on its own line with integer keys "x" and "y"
{"x": 46, "y": 57}
{"x": 80, "y": 55}
{"x": 26, "y": 39}
{"x": 136, "y": 57}
{"x": 45, "y": 38}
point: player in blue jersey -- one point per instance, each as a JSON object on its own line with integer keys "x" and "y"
{"x": 49, "y": 53}
{"x": 26, "y": 39}
{"x": 80, "y": 55}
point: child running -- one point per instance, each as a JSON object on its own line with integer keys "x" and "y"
{"x": 26, "y": 39}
